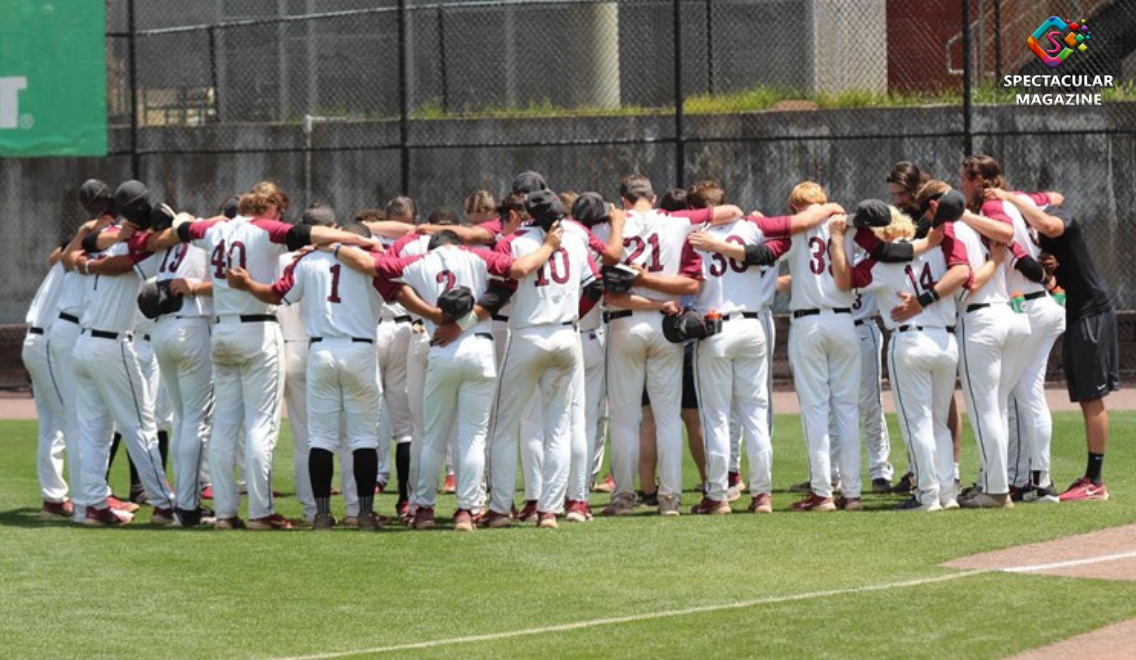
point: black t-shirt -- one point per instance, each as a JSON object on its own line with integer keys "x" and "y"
{"x": 1085, "y": 292}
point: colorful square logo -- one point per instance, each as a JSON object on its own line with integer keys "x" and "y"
{"x": 1054, "y": 40}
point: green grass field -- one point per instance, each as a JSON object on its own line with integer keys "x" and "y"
{"x": 141, "y": 592}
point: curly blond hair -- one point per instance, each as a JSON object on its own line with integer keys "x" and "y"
{"x": 901, "y": 227}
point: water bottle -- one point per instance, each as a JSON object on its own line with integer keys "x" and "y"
{"x": 1018, "y": 301}
{"x": 1059, "y": 296}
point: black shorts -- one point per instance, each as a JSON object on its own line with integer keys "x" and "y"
{"x": 1091, "y": 357}
{"x": 689, "y": 394}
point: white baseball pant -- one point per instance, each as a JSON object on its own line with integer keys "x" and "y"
{"x": 343, "y": 381}
{"x": 49, "y": 411}
{"x": 922, "y": 366}
{"x": 638, "y": 353}
{"x": 992, "y": 358}
{"x": 417, "y": 361}
{"x": 62, "y": 337}
{"x": 152, "y": 372}
{"x": 731, "y": 370}
{"x": 248, "y": 376}
{"x": 871, "y": 401}
{"x": 111, "y": 390}
{"x": 736, "y": 433}
{"x": 392, "y": 344}
{"x": 595, "y": 398}
{"x": 540, "y": 369}
{"x": 181, "y": 346}
{"x": 458, "y": 393}
{"x": 1031, "y": 423}
{"x": 825, "y": 359}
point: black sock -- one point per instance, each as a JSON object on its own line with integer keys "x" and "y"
{"x": 164, "y": 447}
{"x": 366, "y": 472}
{"x": 113, "y": 450}
{"x": 402, "y": 467}
{"x": 1093, "y": 471}
{"x": 1035, "y": 478}
{"x": 135, "y": 480}
{"x": 321, "y": 467}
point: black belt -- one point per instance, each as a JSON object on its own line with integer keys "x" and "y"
{"x": 920, "y": 328}
{"x": 483, "y": 335}
{"x": 35, "y": 331}
{"x": 354, "y": 340}
{"x": 69, "y": 318}
{"x": 253, "y": 318}
{"x": 608, "y": 317}
{"x": 744, "y": 315}
{"x": 1035, "y": 295}
{"x": 977, "y": 306}
{"x": 102, "y": 334}
{"x": 813, "y": 312}
{"x": 859, "y": 322}
{"x": 498, "y": 317}
{"x": 401, "y": 319}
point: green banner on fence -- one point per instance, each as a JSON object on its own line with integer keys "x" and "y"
{"x": 52, "y": 78}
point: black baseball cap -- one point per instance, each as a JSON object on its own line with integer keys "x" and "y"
{"x": 872, "y": 213}
{"x": 951, "y": 207}
{"x": 529, "y": 182}
{"x": 545, "y": 208}
{"x": 590, "y": 209}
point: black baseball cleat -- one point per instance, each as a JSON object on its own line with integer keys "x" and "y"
{"x": 905, "y": 486}
{"x": 881, "y": 485}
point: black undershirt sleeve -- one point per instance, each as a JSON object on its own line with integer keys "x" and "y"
{"x": 298, "y": 237}
{"x": 893, "y": 253}
{"x": 495, "y": 297}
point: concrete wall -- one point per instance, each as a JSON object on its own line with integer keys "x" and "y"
{"x": 757, "y": 156}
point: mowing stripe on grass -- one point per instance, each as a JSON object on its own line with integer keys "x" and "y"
{"x": 595, "y": 623}
{"x": 1071, "y": 562}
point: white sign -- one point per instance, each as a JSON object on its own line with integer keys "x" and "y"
{"x": 10, "y": 100}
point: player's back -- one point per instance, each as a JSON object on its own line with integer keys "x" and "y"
{"x": 913, "y": 278}
{"x": 1026, "y": 238}
{"x": 113, "y": 300}
{"x": 551, "y": 294}
{"x": 443, "y": 269}
{"x": 337, "y": 301}
{"x": 810, "y": 264}
{"x": 186, "y": 261}
{"x": 995, "y": 290}
{"x": 239, "y": 242}
{"x": 730, "y": 285}
{"x": 44, "y": 308}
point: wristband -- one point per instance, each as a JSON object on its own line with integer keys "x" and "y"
{"x": 335, "y": 252}
{"x": 468, "y": 321}
{"x": 927, "y": 298}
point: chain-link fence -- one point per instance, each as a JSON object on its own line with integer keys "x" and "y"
{"x": 352, "y": 102}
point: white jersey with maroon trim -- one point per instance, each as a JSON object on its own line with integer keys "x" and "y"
{"x": 290, "y": 317}
{"x": 550, "y": 295}
{"x": 45, "y": 304}
{"x": 864, "y": 306}
{"x": 1025, "y": 237}
{"x": 408, "y": 246}
{"x": 656, "y": 240}
{"x": 186, "y": 261}
{"x": 811, "y": 267}
{"x": 338, "y": 301}
{"x": 887, "y": 281}
{"x": 995, "y": 290}
{"x": 254, "y": 245}
{"x": 730, "y": 285}
{"x": 112, "y": 300}
{"x": 444, "y": 268}
{"x": 73, "y": 294}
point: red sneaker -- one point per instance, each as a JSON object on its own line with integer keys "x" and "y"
{"x": 709, "y": 507}
{"x": 463, "y": 521}
{"x": 207, "y": 492}
{"x": 107, "y": 517}
{"x": 528, "y": 513}
{"x": 118, "y": 505}
{"x": 734, "y": 480}
{"x": 1084, "y": 489}
{"x": 546, "y": 520}
{"x": 402, "y": 509}
{"x": 162, "y": 517}
{"x": 56, "y": 510}
{"x": 577, "y": 511}
{"x": 814, "y": 503}
{"x": 605, "y": 486}
{"x": 450, "y": 485}
{"x": 424, "y": 518}
{"x": 490, "y": 519}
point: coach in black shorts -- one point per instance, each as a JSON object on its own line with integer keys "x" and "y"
{"x": 1090, "y": 351}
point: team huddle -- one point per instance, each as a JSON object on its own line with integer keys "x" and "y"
{"x": 549, "y": 325}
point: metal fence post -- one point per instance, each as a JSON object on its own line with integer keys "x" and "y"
{"x": 403, "y": 98}
{"x": 680, "y": 132}
{"x": 967, "y": 108}
{"x": 442, "y": 58}
{"x": 135, "y": 164}
{"x": 213, "y": 73}
{"x": 709, "y": 48}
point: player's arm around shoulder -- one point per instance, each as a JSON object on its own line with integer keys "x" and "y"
{"x": 841, "y": 268}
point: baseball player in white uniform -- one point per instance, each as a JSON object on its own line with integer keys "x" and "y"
{"x": 865, "y": 313}
{"x": 110, "y": 386}
{"x": 341, "y": 314}
{"x": 637, "y": 351}
{"x": 544, "y": 361}
{"x": 461, "y": 372}
{"x": 1031, "y": 423}
{"x": 731, "y": 365}
{"x": 248, "y": 366}
{"x": 36, "y": 356}
{"x": 923, "y": 354}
